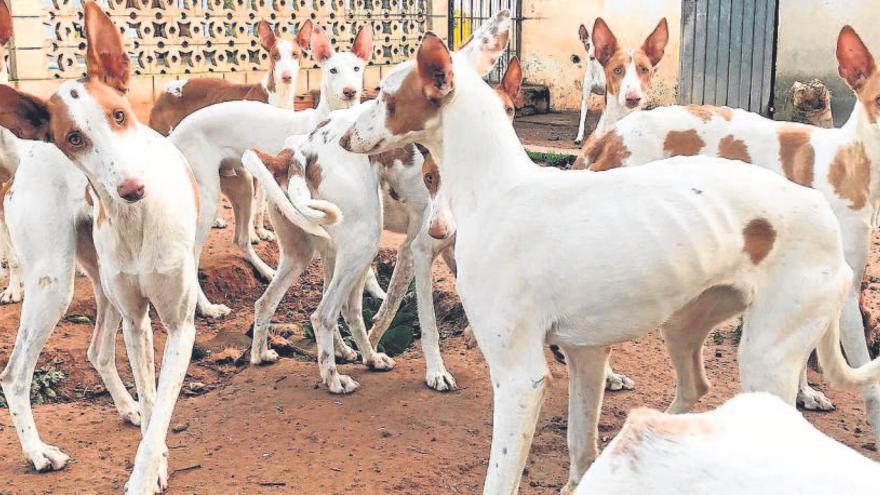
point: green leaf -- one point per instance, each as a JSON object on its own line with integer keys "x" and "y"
{"x": 396, "y": 340}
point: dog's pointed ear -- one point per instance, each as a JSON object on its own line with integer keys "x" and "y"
{"x": 655, "y": 44}
{"x": 363, "y": 43}
{"x": 25, "y": 115}
{"x": 584, "y": 36}
{"x": 488, "y": 42}
{"x": 266, "y": 34}
{"x": 604, "y": 41}
{"x": 304, "y": 35}
{"x": 855, "y": 62}
{"x": 5, "y": 23}
{"x": 512, "y": 79}
{"x": 434, "y": 64}
{"x": 321, "y": 46}
{"x": 106, "y": 57}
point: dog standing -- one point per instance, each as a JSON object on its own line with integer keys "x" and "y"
{"x": 594, "y": 81}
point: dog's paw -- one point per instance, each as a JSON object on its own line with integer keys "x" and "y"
{"x": 345, "y": 354}
{"x": 814, "y": 400}
{"x": 342, "y": 384}
{"x": 379, "y": 362}
{"x": 47, "y": 457}
{"x": 441, "y": 381}
{"x": 214, "y": 311}
{"x": 578, "y": 141}
{"x": 618, "y": 381}
{"x": 266, "y": 235}
{"x": 219, "y": 223}
{"x": 266, "y": 357}
{"x": 130, "y": 414}
{"x": 11, "y": 295}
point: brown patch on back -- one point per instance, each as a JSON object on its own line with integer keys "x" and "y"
{"x": 196, "y": 94}
{"x": 648, "y": 422}
{"x": 796, "y": 154}
{"x": 683, "y": 143}
{"x": 706, "y": 112}
{"x": 387, "y": 159}
{"x": 605, "y": 153}
{"x": 734, "y": 149}
{"x": 850, "y": 174}
{"x": 758, "y": 237}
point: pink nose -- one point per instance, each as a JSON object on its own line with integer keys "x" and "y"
{"x": 438, "y": 229}
{"x": 349, "y": 92}
{"x": 286, "y": 78}
{"x": 131, "y": 190}
{"x": 633, "y": 100}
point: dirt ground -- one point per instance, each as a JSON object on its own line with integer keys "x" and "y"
{"x": 274, "y": 429}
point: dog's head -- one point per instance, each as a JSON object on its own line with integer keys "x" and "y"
{"x": 342, "y": 73}
{"x": 628, "y": 72}
{"x": 285, "y": 55}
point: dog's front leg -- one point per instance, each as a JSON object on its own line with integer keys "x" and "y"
{"x": 436, "y": 375}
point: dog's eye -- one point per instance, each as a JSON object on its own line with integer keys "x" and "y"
{"x": 334, "y": 70}
{"x": 877, "y": 101}
{"x": 276, "y": 56}
{"x": 429, "y": 179}
{"x": 618, "y": 71}
{"x": 357, "y": 69}
{"x": 119, "y": 116}
{"x": 509, "y": 110}
{"x": 389, "y": 108}
{"x": 75, "y": 139}
{"x": 643, "y": 69}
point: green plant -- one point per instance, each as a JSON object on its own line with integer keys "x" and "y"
{"x": 43, "y": 386}
{"x": 557, "y": 160}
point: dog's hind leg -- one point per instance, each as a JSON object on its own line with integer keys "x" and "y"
{"x": 372, "y": 284}
{"x": 240, "y": 191}
{"x": 586, "y": 387}
{"x": 209, "y": 191}
{"x": 400, "y": 279}
{"x": 14, "y": 291}
{"x": 437, "y": 376}
{"x": 353, "y": 314}
{"x": 684, "y": 334}
{"x": 102, "y": 348}
{"x": 260, "y": 207}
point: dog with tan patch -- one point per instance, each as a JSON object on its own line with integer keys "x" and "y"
{"x": 732, "y": 240}
{"x": 754, "y": 443}
{"x": 124, "y": 206}
{"x": 214, "y": 138}
{"x": 843, "y": 164}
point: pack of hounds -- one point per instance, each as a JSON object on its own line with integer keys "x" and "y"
{"x": 782, "y": 243}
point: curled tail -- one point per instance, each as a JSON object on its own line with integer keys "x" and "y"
{"x": 835, "y": 367}
{"x": 311, "y": 215}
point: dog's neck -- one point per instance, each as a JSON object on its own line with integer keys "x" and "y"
{"x": 614, "y": 111}
{"x": 281, "y": 95}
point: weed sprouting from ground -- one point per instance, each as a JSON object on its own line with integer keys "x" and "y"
{"x": 43, "y": 388}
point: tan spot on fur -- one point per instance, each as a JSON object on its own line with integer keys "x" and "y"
{"x": 796, "y": 154}
{"x": 408, "y": 109}
{"x": 758, "y": 237}
{"x": 683, "y": 143}
{"x": 648, "y": 422}
{"x": 313, "y": 173}
{"x": 388, "y": 158}
{"x": 850, "y": 174}
{"x": 734, "y": 149}
{"x": 706, "y": 112}
{"x": 605, "y": 153}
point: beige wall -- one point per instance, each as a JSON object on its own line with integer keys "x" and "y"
{"x": 807, "y": 39}
{"x": 550, "y": 40}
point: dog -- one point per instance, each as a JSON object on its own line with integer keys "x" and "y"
{"x": 840, "y": 163}
{"x": 811, "y": 104}
{"x": 214, "y": 138}
{"x": 594, "y": 81}
{"x": 713, "y": 220}
{"x": 9, "y": 157}
{"x": 124, "y": 206}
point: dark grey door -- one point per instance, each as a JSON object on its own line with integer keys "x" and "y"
{"x": 728, "y": 53}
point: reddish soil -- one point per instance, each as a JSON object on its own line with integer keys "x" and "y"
{"x": 274, "y": 429}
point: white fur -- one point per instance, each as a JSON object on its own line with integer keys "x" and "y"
{"x": 754, "y": 443}
{"x": 594, "y": 82}
{"x": 213, "y": 140}
{"x": 581, "y": 283}
{"x": 175, "y": 88}
{"x": 138, "y": 255}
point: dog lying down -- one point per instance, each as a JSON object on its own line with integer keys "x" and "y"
{"x": 753, "y": 444}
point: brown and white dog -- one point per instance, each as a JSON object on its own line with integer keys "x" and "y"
{"x": 628, "y": 71}
{"x": 278, "y": 88}
{"x": 843, "y": 164}
{"x": 9, "y": 157}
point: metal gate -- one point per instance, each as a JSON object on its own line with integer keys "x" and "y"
{"x": 465, "y": 16}
{"x": 728, "y": 53}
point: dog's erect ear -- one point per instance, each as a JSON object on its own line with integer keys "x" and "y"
{"x": 267, "y": 36}
{"x": 363, "y": 43}
{"x": 584, "y": 36}
{"x": 512, "y": 79}
{"x": 24, "y": 115}
{"x": 5, "y": 23}
{"x": 106, "y": 58}
{"x": 488, "y": 42}
{"x": 435, "y": 66}
{"x": 655, "y": 44}
{"x": 304, "y": 35}
{"x": 604, "y": 41}
{"x": 321, "y": 47}
{"x": 855, "y": 62}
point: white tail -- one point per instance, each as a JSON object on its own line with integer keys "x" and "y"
{"x": 310, "y": 215}
{"x": 835, "y": 367}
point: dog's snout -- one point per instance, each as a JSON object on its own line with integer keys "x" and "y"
{"x": 438, "y": 230}
{"x": 633, "y": 100}
{"x": 345, "y": 141}
{"x": 131, "y": 190}
{"x": 286, "y": 78}
{"x": 349, "y": 92}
